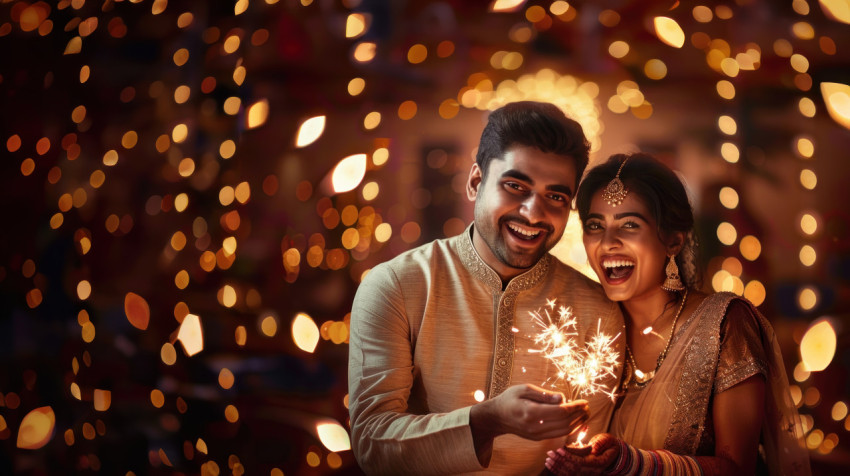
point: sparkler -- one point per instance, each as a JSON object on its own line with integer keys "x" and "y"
{"x": 582, "y": 369}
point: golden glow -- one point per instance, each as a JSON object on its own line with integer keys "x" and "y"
{"x": 407, "y": 110}
{"x": 702, "y": 14}
{"x": 231, "y": 414}
{"x": 305, "y": 333}
{"x": 355, "y": 25}
{"x": 729, "y": 67}
{"x": 727, "y": 125}
{"x": 380, "y": 156}
{"x": 817, "y": 348}
{"x": 808, "y": 224}
{"x": 268, "y": 325}
{"x": 807, "y": 107}
{"x": 478, "y": 395}
{"x": 559, "y": 7}
{"x": 225, "y": 378}
{"x": 356, "y": 86}
{"x": 333, "y": 436}
{"x": 838, "y": 10}
{"x": 655, "y": 69}
{"x": 807, "y": 299}
{"x": 730, "y": 152}
{"x": 417, "y": 53}
{"x": 808, "y": 179}
{"x": 383, "y": 232}
{"x": 803, "y": 30}
{"x": 168, "y": 354}
{"x": 372, "y": 120}
{"x": 83, "y": 290}
{"x": 837, "y": 99}
{"x": 258, "y": 113}
{"x": 725, "y": 89}
{"x": 240, "y": 7}
{"x": 505, "y": 5}
{"x": 102, "y": 399}
{"x": 348, "y": 173}
{"x": 365, "y": 52}
{"x": 750, "y": 247}
{"x": 179, "y": 133}
{"x": 808, "y": 255}
{"x": 231, "y": 105}
{"x": 137, "y": 310}
{"x": 227, "y": 296}
{"x": 618, "y": 49}
{"x": 800, "y": 373}
{"x": 839, "y": 411}
{"x": 310, "y": 131}
{"x": 191, "y": 335}
{"x": 755, "y": 292}
{"x": 669, "y": 31}
{"x": 799, "y": 63}
{"x": 36, "y": 428}
{"x": 227, "y": 149}
{"x": 726, "y": 233}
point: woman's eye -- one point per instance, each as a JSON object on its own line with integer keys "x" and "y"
{"x": 592, "y": 226}
{"x": 630, "y": 224}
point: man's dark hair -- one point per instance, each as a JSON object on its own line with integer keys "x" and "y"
{"x": 533, "y": 124}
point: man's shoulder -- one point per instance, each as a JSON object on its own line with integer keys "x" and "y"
{"x": 423, "y": 258}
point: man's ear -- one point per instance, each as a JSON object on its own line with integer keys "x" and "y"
{"x": 675, "y": 242}
{"x": 473, "y": 182}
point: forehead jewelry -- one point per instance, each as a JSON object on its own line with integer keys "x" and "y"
{"x": 615, "y": 192}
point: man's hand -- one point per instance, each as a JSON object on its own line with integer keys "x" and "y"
{"x": 527, "y": 411}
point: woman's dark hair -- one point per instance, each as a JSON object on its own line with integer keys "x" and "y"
{"x": 535, "y": 124}
{"x": 662, "y": 192}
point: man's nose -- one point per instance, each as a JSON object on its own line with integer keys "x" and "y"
{"x": 533, "y": 208}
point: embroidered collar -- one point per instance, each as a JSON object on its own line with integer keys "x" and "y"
{"x": 482, "y": 271}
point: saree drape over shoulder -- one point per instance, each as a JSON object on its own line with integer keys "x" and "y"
{"x": 708, "y": 355}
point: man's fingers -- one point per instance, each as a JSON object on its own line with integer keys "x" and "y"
{"x": 541, "y": 395}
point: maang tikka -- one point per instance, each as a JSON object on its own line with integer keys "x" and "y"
{"x": 615, "y": 192}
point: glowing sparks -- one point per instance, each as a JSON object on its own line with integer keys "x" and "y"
{"x": 669, "y": 31}
{"x": 582, "y": 368}
{"x": 305, "y": 333}
{"x": 36, "y": 428}
{"x": 837, "y": 99}
{"x": 333, "y": 436}
{"x": 310, "y": 131}
{"x": 348, "y": 173}
{"x": 191, "y": 335}
{"x": 818, "y": 346}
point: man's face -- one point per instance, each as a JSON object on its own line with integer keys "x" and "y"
{"x": 521, "y": 207}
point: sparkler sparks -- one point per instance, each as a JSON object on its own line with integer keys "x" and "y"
{"x": 583, "y": 369}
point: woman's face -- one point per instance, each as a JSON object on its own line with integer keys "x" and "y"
{"x": 624, "y": 248}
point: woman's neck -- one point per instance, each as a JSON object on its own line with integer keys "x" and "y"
{"x": 642, "y": 311}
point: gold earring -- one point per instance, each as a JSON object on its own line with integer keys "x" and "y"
{"x": 673, "y": 281}
{"x": 615, "y": 192}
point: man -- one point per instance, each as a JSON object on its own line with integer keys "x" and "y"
{"x": 442, "y": 374}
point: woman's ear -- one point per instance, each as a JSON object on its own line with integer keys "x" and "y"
{"x": 675, "y": 242}
{"x": 473, "y": 182}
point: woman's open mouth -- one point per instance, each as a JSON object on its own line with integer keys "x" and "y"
{"x": 617, "y": 269}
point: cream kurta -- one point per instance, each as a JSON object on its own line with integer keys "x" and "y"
{"x": 432, "y": 327}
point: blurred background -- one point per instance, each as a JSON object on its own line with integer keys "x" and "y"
{"x": 193, "y": 191}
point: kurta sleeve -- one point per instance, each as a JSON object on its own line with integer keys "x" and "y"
{"x": 742, "y": 354}
{"x": 385, "y": 438}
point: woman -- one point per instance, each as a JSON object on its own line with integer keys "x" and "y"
{"x": 704, "y": 390}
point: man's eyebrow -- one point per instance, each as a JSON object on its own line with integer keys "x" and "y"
{"x": 565, "y": 189}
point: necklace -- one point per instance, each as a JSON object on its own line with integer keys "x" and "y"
{"x": 640, "y": 377}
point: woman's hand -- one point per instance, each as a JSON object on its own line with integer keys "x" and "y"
{"x": 594, "y": 458}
